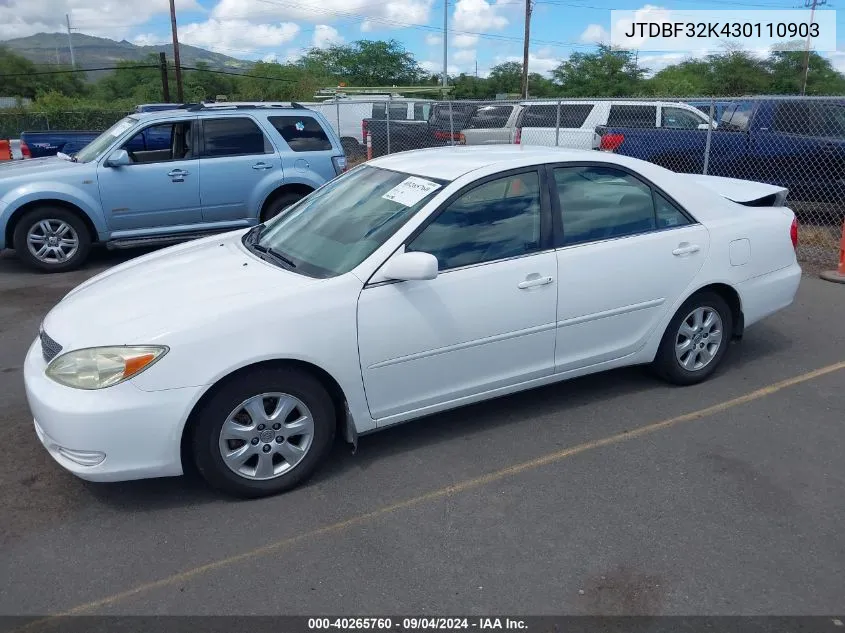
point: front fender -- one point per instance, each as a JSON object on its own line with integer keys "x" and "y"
{"x": 85, "y": 197}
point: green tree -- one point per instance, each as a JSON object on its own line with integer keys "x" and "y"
{"x": 689, "y": 78}
{"x": 19, "y": 77}
{"x": 505, "y": 78}
{"x": 365, "y": 63}
{"x": 736, "y": 73}
{"x": 606, "y": 73}
{"x": 787, "y": 74}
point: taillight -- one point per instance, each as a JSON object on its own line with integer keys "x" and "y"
{"x": 793, "y": 232}
{"x": 339, "y": 164}
{"x": 462, "y": 140}
{"x": 25, "y": 150}
{"x": 517, "y": 137}
{"x": 611, "y": 142}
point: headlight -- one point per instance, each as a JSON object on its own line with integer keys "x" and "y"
{"x": 100, "y": 367}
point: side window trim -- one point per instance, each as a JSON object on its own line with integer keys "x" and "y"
{"x": 546, "y": 215}
{"x": 557, "y": 213}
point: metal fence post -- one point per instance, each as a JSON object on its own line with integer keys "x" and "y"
{"x": 337, "y": 112}
{"x": 47, "y": 119}
{"x": 557, "y": 125}
{"x": 709, "y": 135}
{"x": 451, "y": 125}
{"x": 389, "y": 103}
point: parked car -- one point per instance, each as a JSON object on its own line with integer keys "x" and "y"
{"x": 705, "y": 104}
{"x": 798, "y": 144}
{"x": 491, "y": 124}
{"x": 221, "y": 168}
{"x": 538, "y": 124}
{"x": 442, "y": 127}
{"x": 412, "y": 284}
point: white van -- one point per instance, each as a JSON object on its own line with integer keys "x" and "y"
{"x": 537, "y": 123}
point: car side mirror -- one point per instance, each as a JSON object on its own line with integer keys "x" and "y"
{"x": 118, "y": 158}
{"x": 704, "y": 126}
{"x": 412, "y": 266}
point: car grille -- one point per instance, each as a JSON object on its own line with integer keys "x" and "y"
{"x": 49, "y": 348}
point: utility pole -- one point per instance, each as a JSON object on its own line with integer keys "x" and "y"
{"x": 70, "y": 42}
{"x": 445, "y": 41}
{"x": 165, "y": 81}
{"x": 525, "y": 49}
{"x": 811, "y": 4}
{"x": 179, "y": 94}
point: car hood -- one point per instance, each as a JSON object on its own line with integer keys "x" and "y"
{"x": 144, "y": 300}
{"x": 34, "y": 166}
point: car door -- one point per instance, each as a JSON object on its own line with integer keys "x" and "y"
{"x": 160, "y": 187}
{"x": 626, "y": 253}
{"x": 486, "y": 322}
{"x": 236, "y": 157}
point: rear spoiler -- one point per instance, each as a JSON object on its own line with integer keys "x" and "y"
{"x": 745, "y": 192}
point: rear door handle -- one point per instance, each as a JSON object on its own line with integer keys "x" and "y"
{"x": 262, "y": 166}
{"x": 534, "y": 280}
{"x": 685, "y": 248}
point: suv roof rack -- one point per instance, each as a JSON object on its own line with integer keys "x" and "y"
{"x": 199, "y": 107}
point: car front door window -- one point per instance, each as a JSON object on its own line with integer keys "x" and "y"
{"x": 496, "y": 220}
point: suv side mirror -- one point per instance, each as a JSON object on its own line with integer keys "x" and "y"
{"x": 118, "y": 158}
{"x": 705, "y": 126}
{"x": 411, "y": 267}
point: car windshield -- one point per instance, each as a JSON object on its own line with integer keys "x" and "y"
{"x": 99, "y": 144}
{"x": 338, "y": 226}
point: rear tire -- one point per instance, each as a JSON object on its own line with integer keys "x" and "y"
{"x": 52, "y": 239}
{"x": 279, "y": 204}
{"x": 696, "y": 340}
{"x": 236, "y": 442}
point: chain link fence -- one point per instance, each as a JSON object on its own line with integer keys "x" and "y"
{"x": 792, "y": 142}
{"x": 796, "y": 143}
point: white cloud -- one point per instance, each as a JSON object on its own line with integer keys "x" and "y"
{"x": 595, "y": 34}
{"x": 325, "y": 36}
{"x": 436, "y": 68}
{"x": 464, "y": 40}
{"x": 464, "y": 56}
{"x": 323, "y": 11}
{"x": 478, "y": 15}
{"x": 270, "y": 58}
{"x": 433, "y": 40}
{"x": 542, "y": 61}
{"x": 104, "y": 18}
{"x": 237, "y": 35}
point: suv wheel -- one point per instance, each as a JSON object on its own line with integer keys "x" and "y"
{"x": 52, "y": 239}
{"x": 278, "y": 205}
{"x": 263, "y": 432}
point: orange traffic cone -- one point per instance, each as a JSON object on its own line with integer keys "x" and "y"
{"x": 5, "y": 150}
{"x": 838, "y": 275}
{"x": 369, "y": 146}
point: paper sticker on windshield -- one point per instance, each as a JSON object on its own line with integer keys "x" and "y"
{"x": 121, "y": 127}
{"x": 411, "y": 190}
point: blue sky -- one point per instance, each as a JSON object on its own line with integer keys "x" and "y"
{"x": 485, "y": 32}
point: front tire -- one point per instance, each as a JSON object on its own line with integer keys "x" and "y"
{"x": 696, "y": 340}
{"x": 279, "y": 204}
{"x": 264, "y": 432}
{"x": 52, "y": 239}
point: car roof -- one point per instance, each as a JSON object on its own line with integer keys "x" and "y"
{"x": 450, "y": 163}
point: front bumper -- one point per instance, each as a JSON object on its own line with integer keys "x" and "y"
{"x": 113, "y": 434}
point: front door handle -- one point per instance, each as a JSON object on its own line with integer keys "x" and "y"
{"x": 262, "y": 166}
{"x": 533, "y": 280}
{"x": 178, "y": 175}
{"x": 685, "y": 248}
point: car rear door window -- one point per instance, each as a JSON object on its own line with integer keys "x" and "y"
{"x": 573, "y": 115}
{"x": 495, "y": 220}
{"x": 302, "y": 133}
{"x": 600, "y": 203}
{"x": 488, "y": 117}
{"x": 233, "y": 136}
{"x": 539, "y": 116}
{"x": 632, "y": 116}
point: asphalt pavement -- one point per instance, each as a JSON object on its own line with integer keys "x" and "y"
{"x": 613, "y": 494}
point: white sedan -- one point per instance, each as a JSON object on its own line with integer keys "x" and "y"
{"x": 412, "y": 284}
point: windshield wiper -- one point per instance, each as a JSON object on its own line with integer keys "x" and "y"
{"x": 273, "y": 253}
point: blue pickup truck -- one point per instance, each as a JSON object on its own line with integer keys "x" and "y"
{"x": 69, "y": 142}
{"x": 794, "y": 143}
{"x": 221, "y": 169}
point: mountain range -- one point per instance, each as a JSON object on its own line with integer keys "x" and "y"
{"x": 100, "y": 52}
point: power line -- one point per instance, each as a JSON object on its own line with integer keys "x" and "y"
{"x": 78, "y": 70}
